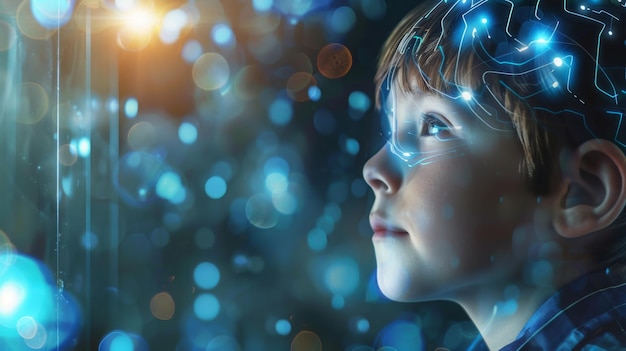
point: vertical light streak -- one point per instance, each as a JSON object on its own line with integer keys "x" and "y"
{"x": 58, "y": 168}
{"x": 88, "y": 172}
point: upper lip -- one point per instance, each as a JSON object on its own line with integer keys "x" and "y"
{"x": 380, "y": 224}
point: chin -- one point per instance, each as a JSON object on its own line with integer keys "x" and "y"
{"x": 395, "y": 286}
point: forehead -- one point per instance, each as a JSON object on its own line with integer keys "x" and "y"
{"x": 406, "y": 101}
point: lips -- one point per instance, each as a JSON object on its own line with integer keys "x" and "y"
{"x": 383, "y": 228}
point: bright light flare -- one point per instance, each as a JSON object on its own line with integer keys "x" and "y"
{"x": 138, "y": 25}
{"x": 140, "y": 21}
{"x": 11, "y": 295}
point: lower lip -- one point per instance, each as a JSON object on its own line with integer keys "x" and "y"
{"x": 379, "y": 234}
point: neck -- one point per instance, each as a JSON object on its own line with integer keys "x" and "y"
{"x": 500, "y": 317}
{"x": 501, "y": 309}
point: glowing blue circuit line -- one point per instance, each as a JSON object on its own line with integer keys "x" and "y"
{"x": 597, "y": 59}
{"x": 619, "y": 126}
{"x": 442, "y": 22}
{"x": 537, "y": 10}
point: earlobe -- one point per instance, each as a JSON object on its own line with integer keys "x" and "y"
{"x": 592, "y": 192}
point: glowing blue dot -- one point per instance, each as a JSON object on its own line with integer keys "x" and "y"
{"x": 206, "y": 275}
{"x": 362, "y": 325}
{"x": 283, "y": 327}
{"x": 89, "y": 240}
{"x": 191, "y": 51}
{"x": 222, "y": 34}
{"x": 131, "y": 108}
{"x": 215, "y": 187}
{"x": 116, "y": 341}
{"x": 542, "y": 40}
{"x": 338, "y": 302}
{"x": 582, "y": 7}
{"x": 188, "y": 133}
{"x": 466, "y": 95}
{"x": 558, "y": 61}
{"x": 352, "y": 146}
{"x": 342, "y": 276}
{"x": 276, "y": 164}
{"x": 555, "y": 84}
{"x": 262, "y": 5}
{"x": 276, "y": 182}
{"x": 484, "y": 20}
{"x": 206, "y": 307}
{"x": 343, "y": 19}
{"x": 52, "y": 13}
{"x": 84, "y": 147}
{"x": 113, "y": 105}
{"x": 359, "y": 101}
{"x": 610, "y": 32}
{"x": 169, "y": 187}
{"x": 314, "y": 93}
{"x": 280, "y": 112}
{"x": 316, "y": 239}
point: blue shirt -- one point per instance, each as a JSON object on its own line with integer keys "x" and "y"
{"x": 588, "y": 314}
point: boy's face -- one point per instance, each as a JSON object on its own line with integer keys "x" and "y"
{"x": 451, "y": 223}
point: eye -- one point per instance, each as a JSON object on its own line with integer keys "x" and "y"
{"x": 434, "y": 126}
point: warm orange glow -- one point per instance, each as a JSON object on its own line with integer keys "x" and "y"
{"x": 140, "y": 21}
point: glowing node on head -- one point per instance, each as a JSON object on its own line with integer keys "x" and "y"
{"x": 484, "y": 20}
{"x": 583, "y": 7}
{"x": 558, "y": 61}
{"x": 610, "y": 32}
{"x": 542, "y": 40}
{"x": 466, "y": 95}
{"x": 555, "y": 84}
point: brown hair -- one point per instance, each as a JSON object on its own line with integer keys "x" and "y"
{"x": 434, "y": 65}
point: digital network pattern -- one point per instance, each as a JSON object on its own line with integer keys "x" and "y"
{"x": 560, "y": 59}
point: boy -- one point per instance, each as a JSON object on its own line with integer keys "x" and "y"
{"x": 503, "y": 180}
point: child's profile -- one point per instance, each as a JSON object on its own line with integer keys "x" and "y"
{"x": 502, "y": 184}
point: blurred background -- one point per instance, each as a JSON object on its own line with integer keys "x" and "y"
{"x": 186, "y": 175}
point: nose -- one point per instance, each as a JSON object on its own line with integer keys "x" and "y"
{"x": 382, "y": 173}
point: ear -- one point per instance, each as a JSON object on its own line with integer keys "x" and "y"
{"x": 592, "y": 191}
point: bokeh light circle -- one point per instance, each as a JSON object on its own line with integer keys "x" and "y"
{"x": 68, "y": 154}
{"x": 28, "y": 25}
{"x": 206, "y": 307}
{"x": 210, "y": 71}
{"x": 283, "y": 327}
{"x": 162, "y": 306}
{"x": 142, "y": 136}
{"x": 260, "y": 212}
{"x": 298, "y": 86}
{"x": 27, "y": 327}
{"x": 52, "y": 14}
{"x": 206, "y": 275}
{"x": 306, "y": 341}
{"x": 334, "y": 61}
{"x": 33, "y": 103}
{"x": 116, "y": 340}
{"x": 215, "y": 187}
